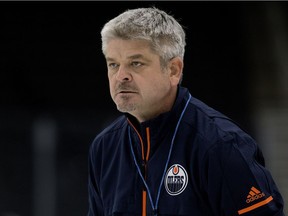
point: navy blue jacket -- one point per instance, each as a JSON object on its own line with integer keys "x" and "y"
{"x": 215, "y": 168}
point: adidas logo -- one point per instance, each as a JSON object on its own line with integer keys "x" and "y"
{"x": 254, "y": 194}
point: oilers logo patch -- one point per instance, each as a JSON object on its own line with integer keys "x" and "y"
{"x": 176, "y": 180}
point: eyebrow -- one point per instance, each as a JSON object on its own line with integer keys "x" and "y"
{"x": 136, "y": 56}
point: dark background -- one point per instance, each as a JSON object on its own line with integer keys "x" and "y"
{"x": 53, "y": 74}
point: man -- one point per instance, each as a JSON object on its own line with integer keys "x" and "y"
{"x": 169, "y": 153}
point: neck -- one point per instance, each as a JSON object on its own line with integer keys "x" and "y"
{"x": 166, "y": 106}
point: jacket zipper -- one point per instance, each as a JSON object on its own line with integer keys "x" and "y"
{"x": 145, "y": 158}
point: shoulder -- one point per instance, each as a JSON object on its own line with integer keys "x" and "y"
{"x": 214, "y": 127}
{"x": 220, "y": 140}
{"x": 116, "y": 125}
{"x": 110, "y": 133}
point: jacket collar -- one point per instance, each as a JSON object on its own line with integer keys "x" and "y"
{"x": 165, "y": 123}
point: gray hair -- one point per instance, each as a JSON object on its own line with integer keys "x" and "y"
{"x": 165, "y": 34}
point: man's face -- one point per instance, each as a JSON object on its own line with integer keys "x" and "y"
{"x": 138, "y": 84}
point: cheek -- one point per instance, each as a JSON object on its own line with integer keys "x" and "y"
{"x": 110, "y": 80}
{"x": 158, "y": 86}
{"x": 111, "y": 85}
{"x": 161, "y": 82}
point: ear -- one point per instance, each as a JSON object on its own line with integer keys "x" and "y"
{"x": 176, "y": 67}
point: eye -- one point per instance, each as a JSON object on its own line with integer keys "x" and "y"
{"x": 112, "y": 65}
{"x": 136, "y": 64}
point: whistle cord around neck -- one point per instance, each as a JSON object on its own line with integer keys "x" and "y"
{"x": 155, "y": 206}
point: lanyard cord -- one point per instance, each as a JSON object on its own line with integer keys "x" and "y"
{"x": 155, "y": 207}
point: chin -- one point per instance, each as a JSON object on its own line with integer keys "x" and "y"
{"x": 128, "y": 108}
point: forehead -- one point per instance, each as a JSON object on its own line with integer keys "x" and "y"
{"x": 119, "y": 48}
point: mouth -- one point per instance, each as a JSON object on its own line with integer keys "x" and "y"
{"x": 126, "y": 92}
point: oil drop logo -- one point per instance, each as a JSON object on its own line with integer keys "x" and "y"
{"x": 176, "y": 180}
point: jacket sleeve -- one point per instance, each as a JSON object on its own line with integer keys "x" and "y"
{"x": 95, "y": 201}
{"x": 237, "y": 182}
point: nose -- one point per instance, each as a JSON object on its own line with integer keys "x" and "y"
{"x": 123, "y": 75}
